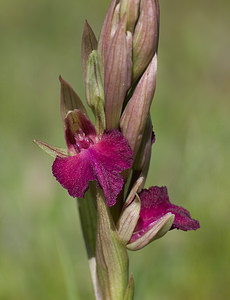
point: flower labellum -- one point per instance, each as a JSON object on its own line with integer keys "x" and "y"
{"x": 154, "y": 205}
{"x": 92, "y": 158}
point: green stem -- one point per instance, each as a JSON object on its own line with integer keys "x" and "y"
{"x": 111, "y": 255}
{"x": 107, "y": 255}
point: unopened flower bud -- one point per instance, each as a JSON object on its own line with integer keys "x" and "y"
{"x": 94, "y": 90}
{"x": 134, "y": 117}
{"x": 116, "y": 76}
{"x": 145, "y": 37}
{"x": 115, "y": 20}
{"x": 131, "y": 8}
{"x": 142, "y": 161}
{"x": 89, "y": 43}
{"x": 105, "y": 35}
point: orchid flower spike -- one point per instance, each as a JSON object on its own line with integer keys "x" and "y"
{"x": 119, "y": 72}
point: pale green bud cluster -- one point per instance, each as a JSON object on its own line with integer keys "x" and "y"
{"x": 120, "y": 73}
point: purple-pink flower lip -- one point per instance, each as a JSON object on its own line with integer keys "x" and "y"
{"x": 92, "y": 157}
{"x": 154, "y": 205}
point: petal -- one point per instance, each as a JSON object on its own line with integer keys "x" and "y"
{"x": 110, "y": 157}
{"x": 155, "y": 204}
{"x": 74, "y": 173}
{"x": 102, "y": 162}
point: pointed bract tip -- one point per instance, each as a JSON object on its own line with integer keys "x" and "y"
{"x": 51, "y": 150}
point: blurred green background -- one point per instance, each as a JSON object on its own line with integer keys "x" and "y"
{"x": 42, "y": 253}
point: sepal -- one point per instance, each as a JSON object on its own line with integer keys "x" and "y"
{"x": 69, "y": 100}
{"x": 51, "y": 150}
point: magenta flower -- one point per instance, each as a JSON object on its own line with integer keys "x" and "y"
{"x": 154, "y": 205}
{"x": 92, "y": 157}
